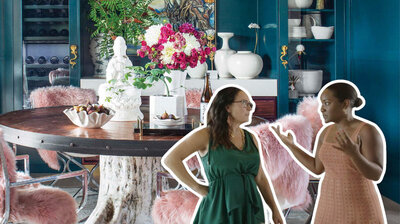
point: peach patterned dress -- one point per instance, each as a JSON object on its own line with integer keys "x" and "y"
{"x": 346, "y": 195}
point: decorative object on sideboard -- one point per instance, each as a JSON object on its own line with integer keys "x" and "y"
{"x": 245, "y": 65}
{"x": 309, "y": 83}
{"x": 210, "y": 34}
{"x": 199, "y": 71}
{"x": 89, "y": 116}
{"x": 117, "y": 93}
{"x": 299, "y": 4}
{"x": 293, "y": 93}
{"x": 222, "y": 55}
{"x": 256, "y": 27}
{"x": 309, "y": 20}
{"x": 99, "y": 62}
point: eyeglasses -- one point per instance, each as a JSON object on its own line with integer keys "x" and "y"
{"x": 245, "y": 103}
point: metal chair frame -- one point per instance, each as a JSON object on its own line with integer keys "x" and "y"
{"x": 8, "y": 184}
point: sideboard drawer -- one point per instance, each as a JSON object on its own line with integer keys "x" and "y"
{"x": 265, "y": 107}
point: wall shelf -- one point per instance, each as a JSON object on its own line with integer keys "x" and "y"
{"x": 46, "y": 7}
{"x": 311, "y": 10}
{"x": 47, "y": 66}
{"x": 47, "y": 20}
{"x": 310, "y": 40}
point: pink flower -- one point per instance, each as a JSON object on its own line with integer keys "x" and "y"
{"x": 160, "y": 65}
{"x": 144, "y": 43}
{"x": 183, "y": 66}
{"x": 214, "y": 49}
{"x": 207, "y": 50}
{"x": 141, "y": 54}
{"x": 160, "y": 47}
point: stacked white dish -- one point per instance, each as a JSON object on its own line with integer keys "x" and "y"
{"x": 297, "y": 32}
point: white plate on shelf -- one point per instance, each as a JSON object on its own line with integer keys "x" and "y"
{"x": 167, "y": 122}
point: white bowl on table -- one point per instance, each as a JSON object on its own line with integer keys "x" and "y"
{"x": 85, "y": 120}
{"x": 294, "y": 22}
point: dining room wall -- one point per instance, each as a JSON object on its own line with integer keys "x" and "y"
{"x": 373, "y": 64}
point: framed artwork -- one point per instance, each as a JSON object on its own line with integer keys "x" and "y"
{"x": 200, "y": 13}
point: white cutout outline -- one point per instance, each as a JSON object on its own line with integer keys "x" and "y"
{"x": 265, "y": 205}
{"x": 324, "y": 126}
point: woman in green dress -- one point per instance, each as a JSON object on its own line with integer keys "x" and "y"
{"x": 231, "y": 161}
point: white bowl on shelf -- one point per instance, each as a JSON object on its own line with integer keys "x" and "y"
{"x": 297, "y": 32}
{"x": 299, "y": 4}
{"x": 322, "y": 32}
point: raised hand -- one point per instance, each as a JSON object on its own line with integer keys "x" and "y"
{"x": 346, "y": 144}
{"x": 286, "y": 139}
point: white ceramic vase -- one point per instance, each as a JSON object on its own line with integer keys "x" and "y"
{"x": 197, "y": 72}
{"x": 100, "y": 63}
{"x": 222, "y": 55}
{"x": 309, "y": 83}
{"x": 245, "y": 65}
{"x": 177, "y": 85}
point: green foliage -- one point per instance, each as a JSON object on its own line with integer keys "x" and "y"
{"x": 147, "y": 75}
{"x": 126, "y": 18}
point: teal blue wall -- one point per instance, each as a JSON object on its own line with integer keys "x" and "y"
{"x": 1, "y": 55}
{"x": 374, "y": 66}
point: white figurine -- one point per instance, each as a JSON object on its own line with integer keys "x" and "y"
{"x": 124, "y": 98}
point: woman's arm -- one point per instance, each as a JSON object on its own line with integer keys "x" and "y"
{"x": 312, "y": 163}
{"x": 367, "y": 153}
{"x": 264, "y": 185}
{"x": 173, "y": 159}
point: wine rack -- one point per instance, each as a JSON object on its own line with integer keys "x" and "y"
{"x": 45, "y": 42}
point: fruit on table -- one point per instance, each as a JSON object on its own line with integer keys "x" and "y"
{"x": 91, "y": 108}
{"x": 164, "y": 115}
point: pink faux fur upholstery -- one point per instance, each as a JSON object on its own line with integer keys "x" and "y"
{"x": 308, "y": 108}
{"x": 34, "y": 203}
{"x": 193, "y": 163}
{"x": 59, "y": 96}
{"x": 175, "y": 207}
{"x": 193, "y": 98}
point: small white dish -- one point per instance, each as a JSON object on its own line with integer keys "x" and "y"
{"x": 84, "y": 120}
{"x": 167, "y": 122}
{"x": 322, "y": 32}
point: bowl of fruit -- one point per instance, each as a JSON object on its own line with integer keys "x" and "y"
{"x": 90, "y": 115}
{"x": 166, "y": 119}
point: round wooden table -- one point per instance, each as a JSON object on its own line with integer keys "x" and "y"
{"x": 128, "y": 162}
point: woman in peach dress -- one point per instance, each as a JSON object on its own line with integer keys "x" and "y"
{"x": 351, "y": 153}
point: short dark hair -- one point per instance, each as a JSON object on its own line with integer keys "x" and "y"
{"x": 343, "y": 91}
{"x": 217, "y": 117}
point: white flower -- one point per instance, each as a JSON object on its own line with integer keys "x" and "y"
{"x": 254, "y": 26}
{"x": 152, "y": 34}
{"x": 191, "y": 43}
{"x": 167, "y": 52}
{"x": 300, "y": 47}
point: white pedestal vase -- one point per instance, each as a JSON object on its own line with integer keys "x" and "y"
{"x": 197, "y": 72}
{"x": 177, "y": 85}
{"x": 245, "y": 65}
{"x": 222, "y": 55}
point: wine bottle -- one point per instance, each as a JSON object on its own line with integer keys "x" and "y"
{"x": 205, "y": 97}
{"x": 64, "y": 32}
{"x": 42, "y": 32}
{"x": 53, "y": 32}
{"x": 32, "y": 72}
{"x": 54, "y": 60}
{"x": 29, "y": 60}
{"x": 66, "y": 59}
{"x": 42, "y": 60}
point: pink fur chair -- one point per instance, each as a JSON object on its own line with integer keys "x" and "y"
{"x": 23, "y": 199}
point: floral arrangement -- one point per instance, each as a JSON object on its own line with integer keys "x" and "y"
{"x": 175, "y": 49}
{"x": 169, "y": 49}
{"x": 256, "y": 27}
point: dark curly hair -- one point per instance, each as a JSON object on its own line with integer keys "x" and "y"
{"x": 217, "y": 117}
{"x": 343, "y": 91}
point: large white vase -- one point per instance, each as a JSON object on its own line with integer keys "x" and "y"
{"x": 299, "y": 3}
{"x": 177, "y": 85}
{"x": 245, "y": 65}
{"x": 222, "y": 55}
{"x": 197, "y": 72}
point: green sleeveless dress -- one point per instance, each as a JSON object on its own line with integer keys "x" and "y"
{"x": 232, "y": 197}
